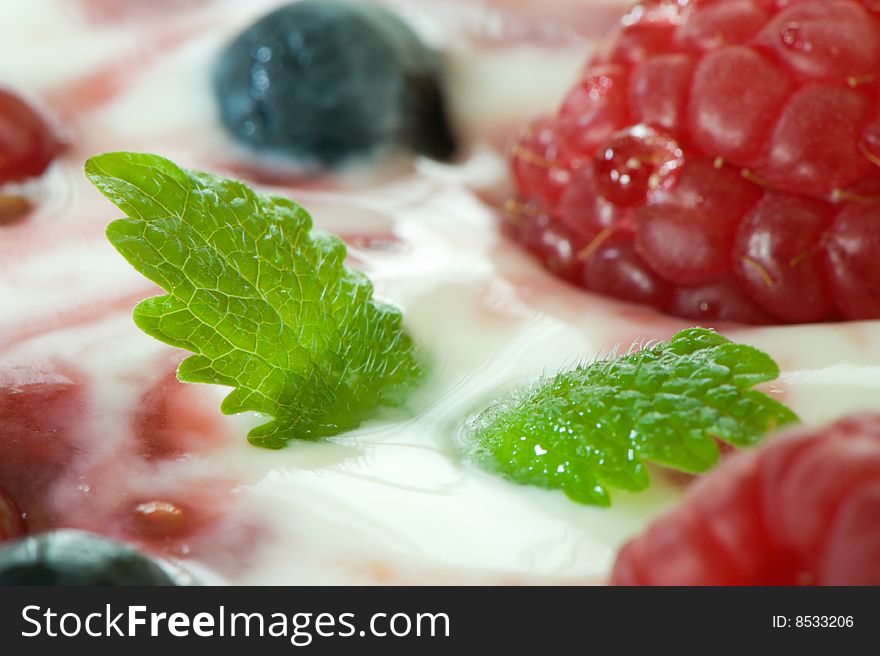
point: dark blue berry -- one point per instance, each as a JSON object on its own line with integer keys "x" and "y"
{"x": 68, "y": 557}
{"x": 325, "y": 82}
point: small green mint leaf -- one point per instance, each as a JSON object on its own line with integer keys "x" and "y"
{"x": 595, "y": 427}
{"x": 265, "y": 304}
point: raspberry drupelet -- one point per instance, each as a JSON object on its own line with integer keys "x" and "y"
{"x": 718, "y": 160}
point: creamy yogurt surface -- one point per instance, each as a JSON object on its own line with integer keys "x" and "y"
{"x": 149, "y": 460}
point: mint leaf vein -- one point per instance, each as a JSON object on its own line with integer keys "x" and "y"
{"x": 264, "y": 302}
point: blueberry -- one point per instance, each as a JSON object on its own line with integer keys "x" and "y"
{"x": 325, "y": 82}
{"x": 68, "y": 557}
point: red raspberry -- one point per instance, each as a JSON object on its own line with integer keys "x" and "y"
{"x": 27, "y": 145}
{"x": 805, "y": 509}
{"x": 719, "y": 160}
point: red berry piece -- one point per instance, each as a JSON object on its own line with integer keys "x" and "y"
{"x": 536, "y": 163}
{"x": 804, "y": 509}
{"x": 815, "y": 146}
{"x": 636, "y": 41}
{"x": 729, "y": 152}
{"x": 585, "y": 211}
{"x": 616, "y": 269}
{"x": 27, "y": 145}
{"x": 779, "y": 257}
{"x": 636, "y": 162}
{"x": 853, "y": 252}
{"x": 851, "y": 553}
{"x": 824, "y": 39}
{"x": 551, "y": 241}
{"x": 659, "y": 90}
{"x": 713, "y": 25}
{"x": 735, "y": 96}
{"x": 38, "y": 421}
{"x": 686, "y": 234}
{"x": 12, "y": 524}
{"x": 594, "y": 109}
{"x": 869, "y": 142}
{"x": 721, "y": 300}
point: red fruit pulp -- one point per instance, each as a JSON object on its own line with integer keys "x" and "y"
{"x": 27, "y": 144}
{"x": 172, "y": 421}
{"x": 12, "y": 523}
{"x": 37, "y": 421}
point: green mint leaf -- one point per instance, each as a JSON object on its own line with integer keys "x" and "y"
{"x": 594, "y": 427}
{"x": 264, "y": 302}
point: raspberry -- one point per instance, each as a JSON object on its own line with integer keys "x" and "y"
{"x": 27, "y": 145}
{"x": 719, "y": 160}
{"x": 805, "y": 509}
